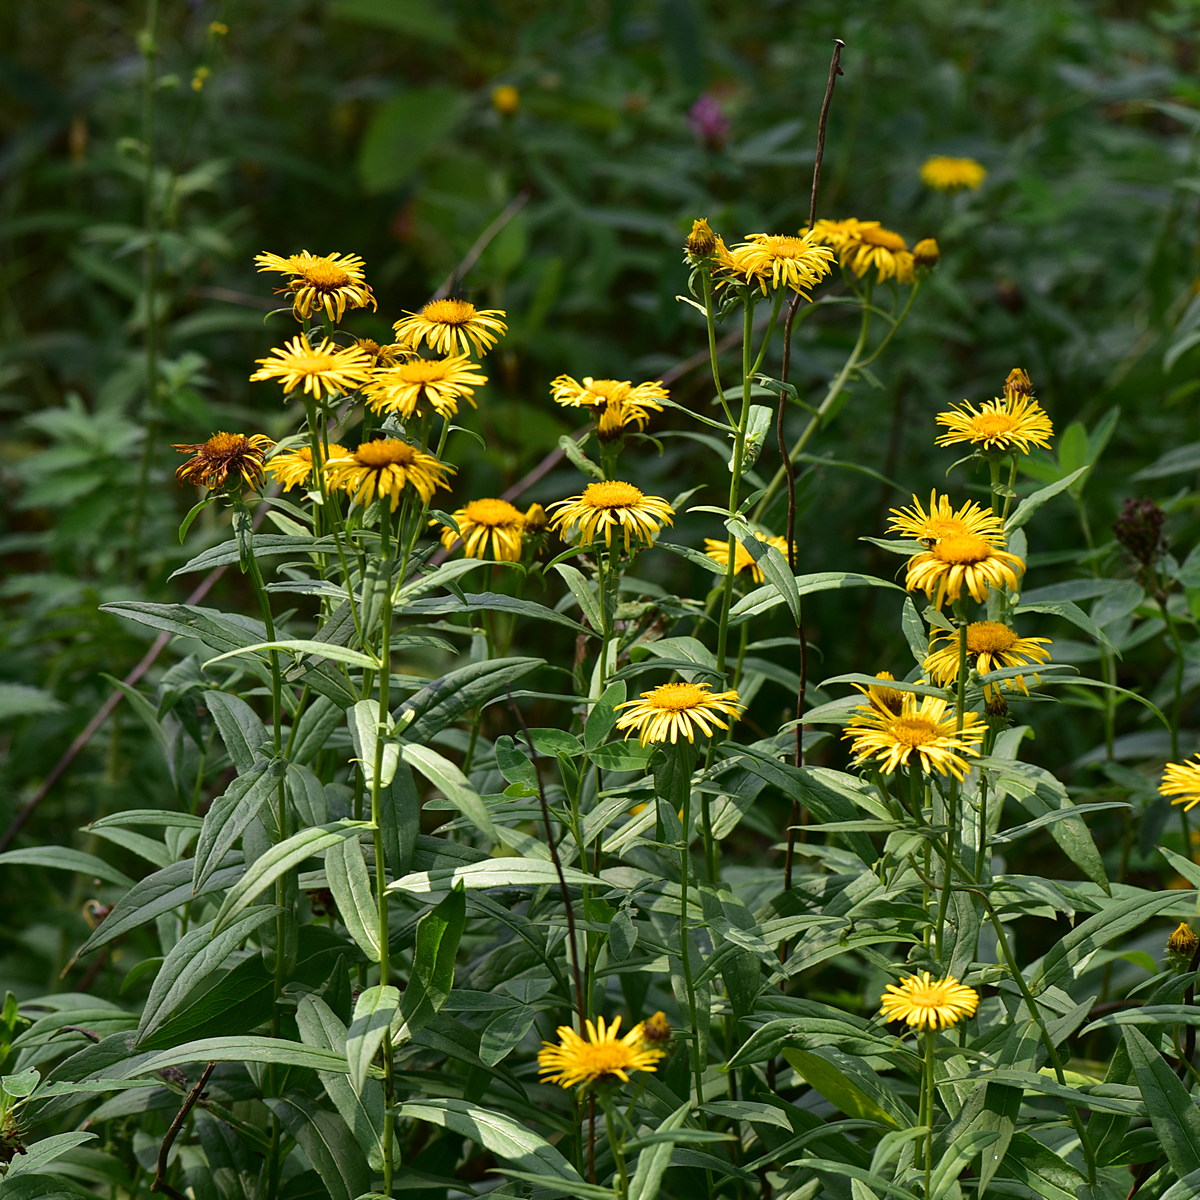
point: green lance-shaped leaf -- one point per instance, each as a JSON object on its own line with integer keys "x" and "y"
{"x": 277, "y": 861}
{"x": 491, "y": 873}
{"x": 453, "y": 784}
{"x": 652, "y": 1163}
{"x": 765, "y": 598}
{"x": 244, "y": 1049}
{"x": 770, "y": 562}
{"x": 1171, "y": 1108}
{"x": 245, "y": 736}
{"x": 63, "y": 858}
{"x": 190, "y": 962}
{"x": 442, "y": 702}
{"x": 372, "y": 1019}
{"x": 367, "y": 725}
{"x": 505, "y": 1138}
{"x": 476, "y": 602}
{"x": 350, "y": 884}
{"x": 40, "y": 1155}
{"x": 1025, "y": 510}
{"x": 852, "y": 1096}
{"x": 582, "y": 590}
{"x": 266, "y": 545}
{"x": 438, "y": 934}
{"x": 231, "y": 814}
{"x": 328, "y": 1145}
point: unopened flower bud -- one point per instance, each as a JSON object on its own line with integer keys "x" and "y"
{"x": 1139, "y": 530}
{"x": 1018, "y": 383}
{"x": 701, "y": 242}
{"x": 656, "y": 1031}
{"x": 506, "y": 99}
{"x": 1183, "y": 941}
{"x": 926, "y": 253}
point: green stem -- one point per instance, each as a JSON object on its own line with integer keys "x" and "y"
{"x": 616, "y": 1144}
{"x": 928, "y": 1065}
{"x": 685, "y": 952}
{"x": 710, "y": 321}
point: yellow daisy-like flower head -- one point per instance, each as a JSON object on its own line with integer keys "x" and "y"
{"x": 386, "y": 467}
{"x": 329, "y": 283}
{"x": 718, "y": 551}
{"x": 452, "y": 327}
{"x": 611, "y": 505}
{"x": 487, "y": 529}
{"x": 863, "y": 246}
{"x": 925, "y": 727}
{"x": 962, "y": 562}
{"x": 1002, "y": 426}
{"x": 946, "y": 174}
{"x": 1181, "y": 783}
{"x": 294, "y": 467}
{"x": 382, "y": 356}
{"x": 615, "y": 403}
{"x": 326, "y": 369}
{"x": 926, "y": 254}
{"x": 535, "y": 519}
{"x": 671, "y": 709}
{"x": 222, "y": 456}
{"x": 772, "y": 260}
{"x": 600, "y": 1057}
{"x": 923, "y": 1002}
{"x": 411, "y": 388}
{"x": 701, "y": 242}
{"x": 991, "y": 646}
{"x": 942, "y": 520}
{"x": 886, "y": 699}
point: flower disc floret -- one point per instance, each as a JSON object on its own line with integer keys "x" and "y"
{"x": 487, "y": 529}
{"x": 923, "y": 1002}
{"x": 411, "y": 388}
{"x": 1014, "y": 423}
{"x": 946, "y": 174}
{"x": 384, "y": 468}
{"x": 924, "y": 727}
{"x": 672, "y": 710}
{"x": 325, "y": 369}
{"x": 222, "y": 456}
{"x": 330, "y": 283}
{"x": 600, "y": 1056}
{"x": 962, "y": 562}
{"x": 611, "y": 505}
{"x": 1181, "y": 783}
{"x": 452, "y": 327}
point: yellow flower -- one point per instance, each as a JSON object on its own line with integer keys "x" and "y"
{"x": 863, "y": 246}
{"x": 452, "y": 327}
{"x": 886, "y": 699}
{"x": 223, "y": 455}
{"x": 656, "y": 1030}
{"x": 615, "y": 403}
{"x": 1014, "y": 423}
{"x": 1181, "y": 782}
{"x": 943, "y": 521}
{"x": 962, "y": 561}
{"x": 382, "y": 356}
{"x": 701, "y": 242}
{"x": 439, "y": 383}
{"x": 1017, "y": 384}
{"x": 328, "y": 282}
{"x": 991, "y": 646}
{"x": 949, "y": 174}
{"x": 326, "y": 369}
{"x": 294, "y": 467}
{"x": 1183, "y": 940}
{"x": 927, "y": 1003}
{"x": 775, "y": 260}
{"x": 506, "y": 99}
{"x": 600, "y": 1057}
{"x": 610, "y": 505}
{"x": 718, "y": 551}
{"x": 385, "y": 467}
{"x": 535, "y": 519}
{"x": 926, "y": 253}
{"x": 671, "y": 709}
{"x": 924, "y": 726}
{"x": 484, "y": 523}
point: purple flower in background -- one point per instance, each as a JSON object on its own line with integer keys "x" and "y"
{"x": 708, "y": 122}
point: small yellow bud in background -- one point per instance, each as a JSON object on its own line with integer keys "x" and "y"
{"x": 926, "y": 253}
{"x": 218, "y": 27}
{"x": 535, "y": 518}
{"x": 656, "y": 1031}
{"x": 1183, "y": 941}
{"x": 198, "y": 80}
{"x": 701, "y": 242}
{"x": 506, "y": 99}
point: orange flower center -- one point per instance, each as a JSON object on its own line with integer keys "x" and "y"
{"x": 993, "y": 424}
{"x": 422, "y": 370}
{"x": 914, "y": 731}
{"x": 676, "y": 697}
{"x": 493, "y": 513}
{"x": 388, "y": 452}
{"x": 883, "y": 238}
{"x": 962, "y": 549}
{"x": 448, "y": 312}
{"x": 989, "y": 637}
{"x": 324, "y": 274}
{"x": 614, "y": 494}
{"x": 226, "y": 445}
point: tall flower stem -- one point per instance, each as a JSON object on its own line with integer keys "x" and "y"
{"x": 954, "y": 793}
{"x": 928, "y": 1095}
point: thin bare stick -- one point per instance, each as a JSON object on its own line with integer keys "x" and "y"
{"x": 481, "y": 243}
{"x": 160, "y": 1183}
{"x": 835, "y": 69}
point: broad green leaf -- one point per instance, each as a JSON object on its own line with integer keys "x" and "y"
{"x": 441, "y": 703}
{"x": 652, "y": 1163}
{"x": 147, "y": 816}
{"x": 603, "y": 716}
{"x": 452, "y": 783}
{"x": 405, "y": 130}
{"x": 493, "y": 872}
{"x": 63, "y": 858}
{"x": 955, "y": 1157}
{"x": 277, "y": 861}
{"x": 772, "y": 564}
{"x": 190, "y": 962}
{"x": 837, "y": 1087}
{"x": 41, "y": 1154}
{"x": 245, "y": 736}
{"x": 438, "y": 934}
{"x": 1031, "y": 504}
{"x": 1042, "y": 1172}
{"x": 266, "y": 545}
{"x": 840, "y": 1170}
{"x": 765, "y": 598}
{"x": 328, "y": 1145}
{"x": 684, "y": 649}
{"x": 481, "y": 602}
{"x": 372, "y": 1019}
{"x": 1171, "y": 1108}
{"x": 300, "y": 647}
{"x": 1180, "y": 460}
{"x": 231, "y": 814}
{"x": 350, "y": 884}
{"x": 1187, "y": 1188}
{"x": 367, "y": 724}
{"x": 240, "y": 1049}
{"x": 585, "y": 595}
{"x": 504, "y": 1137}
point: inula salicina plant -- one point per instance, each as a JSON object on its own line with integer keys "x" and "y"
{"x": 432, "y": 916}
